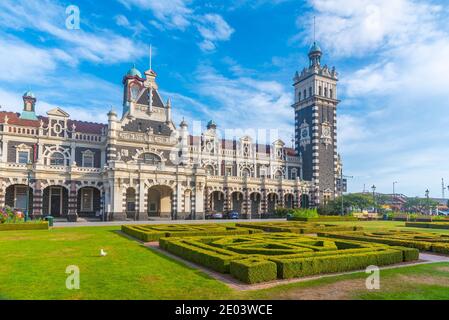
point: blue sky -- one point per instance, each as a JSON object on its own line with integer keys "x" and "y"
{"x": 233, "y": 61}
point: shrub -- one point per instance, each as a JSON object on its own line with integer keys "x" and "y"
{"x": 253, "y": 258}
{"x": 41, "y": 225}
{"x": 253, "y": 270}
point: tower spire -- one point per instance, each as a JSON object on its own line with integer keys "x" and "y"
{"x": 151, "y": 57}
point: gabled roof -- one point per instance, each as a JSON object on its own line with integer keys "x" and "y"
{"x": 81, "y": 126}
{"x": 144, "y": 99}
{"x": 58, "y": 112}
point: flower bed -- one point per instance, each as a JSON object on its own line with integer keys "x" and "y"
{"x": 297, "y": 227}
{"x": 263, "y": 257}
{"x": 424, "y": 241}
{"x": 148, "y": 233}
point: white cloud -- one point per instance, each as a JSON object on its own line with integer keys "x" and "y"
{"x": 173, "y": 14}
{"x": 394, "y": 103}
{"x": 212, "y": 28}
{"x": 99, "y": 46}
{"x": 241, "y": 103}
{"x": 176, "y": 14}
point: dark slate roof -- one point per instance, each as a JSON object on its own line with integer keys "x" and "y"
{"x": 81, "y": 126}
{"x": 157, "y": 102}
{"x": 232, "y": 145}
{"x": 142, "y": 125}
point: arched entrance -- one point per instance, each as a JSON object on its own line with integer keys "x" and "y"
{"x": 288, "y": 201}
{"x": 305, "y": 201}
{"x": 88, "y": 202}
{"x": 237, "y": 202}
{"x": 217, "y": 201}
{"x": 160, "y": 201}
{"x": 272, "y": 200}
{"x": 131, "y": 203}
{"x": 255, "y": 200}
{"x": 55, "y": 201}
{"x": 16, "y": 198}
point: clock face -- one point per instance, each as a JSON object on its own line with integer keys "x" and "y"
{"x": 326, "y": 132}
{"x": 305, "y": 133}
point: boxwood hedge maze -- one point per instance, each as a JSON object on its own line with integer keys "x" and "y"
{"x": 424, "y": 241}
{"x": 149, "y": 233}
{"x": 297, "y": 227}
{"x": 261, "y": 257}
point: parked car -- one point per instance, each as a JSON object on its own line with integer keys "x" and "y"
{"x": 217, "y": 215}
{"x": 233, "y": 215}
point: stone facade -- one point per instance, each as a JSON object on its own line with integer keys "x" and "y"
{"x": 140, "y": 165}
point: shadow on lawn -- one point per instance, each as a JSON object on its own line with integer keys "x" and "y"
{"x": 161, "y": 255}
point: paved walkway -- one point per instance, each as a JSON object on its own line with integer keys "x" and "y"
{"x": 65, "y": 224}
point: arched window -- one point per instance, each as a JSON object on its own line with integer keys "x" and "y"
{"x": 278, "y": 174}
{"x": 246, "y": 172}
{"x": 310, "y": 91}
{"x": 294, "y": 174}
{"x": 57, "y": 159}
{"x": 210, "y": 170}
{"x": 325, "y": 92}
{"x": 299, "y": 96}
{"x": 331, "y": 94}
{"x": 320, "y": 90}
{"x": 151, "y": 158}
{"x": 305, "y": 94}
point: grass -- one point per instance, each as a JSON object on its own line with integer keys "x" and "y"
{"x": 33, "y": 266}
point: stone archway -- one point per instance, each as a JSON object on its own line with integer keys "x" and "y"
{"x": 55, "y": 201}
{"x": 305, "y": 201}
{"x": 160, "y": 201}
{"x": 89, "y": 202}
{"x": 272, "y": 201}
{"x": 237, "y": 199}
{"x": 217, "y": 200}
{"x": 255, "y": 201}
{"x": 289, "y": 201}
{"x": 16, "y": 198}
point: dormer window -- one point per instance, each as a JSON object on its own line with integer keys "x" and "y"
{"x": 88, "y": 159}
{"x": 23, "y": 157}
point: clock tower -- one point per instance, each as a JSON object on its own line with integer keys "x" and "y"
{"x": 316, "y": 125}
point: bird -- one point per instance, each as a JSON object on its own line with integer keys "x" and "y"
{"x": 103, "y": 253}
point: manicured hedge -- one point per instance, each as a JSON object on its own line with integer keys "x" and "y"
{"x": 150, "y": 233}
{"x": 324, "y": 219}
{"x": 263, "y": 257}
{"x": 422, "y": 241}
{"x": 24, "y": 226}
{"x": 253, "y": 270}
{"x": 430, "y": 225}
{"x": 298, "y": 227}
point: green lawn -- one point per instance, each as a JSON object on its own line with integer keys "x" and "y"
{"x": 33, "y": 265}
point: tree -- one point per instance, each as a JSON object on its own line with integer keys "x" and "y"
{"x": 422, "y": 205}
{"x": 354, "y": 201}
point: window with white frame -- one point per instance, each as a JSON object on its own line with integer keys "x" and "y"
{"x": 23, "y": 157}
{"x": 88, "y": 159}
{"x": 20, "y": 197}
{"x": 294, "y": 174}
{"x": 87, "y": 199}
{"x": 57, "y": 159}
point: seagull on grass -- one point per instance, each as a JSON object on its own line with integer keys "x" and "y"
{"x": 103, "y": 253}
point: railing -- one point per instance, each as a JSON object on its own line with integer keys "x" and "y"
{"x": 30, "y": 131}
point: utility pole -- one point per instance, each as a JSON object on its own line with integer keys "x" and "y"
{"x": 394, "y": 193}
{"x": 442, "y": 187}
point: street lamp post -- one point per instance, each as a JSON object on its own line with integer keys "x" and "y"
{"x": 29, "y": 167}
{"x": 394, "y": 193}
{"x": 374, "y": 197}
